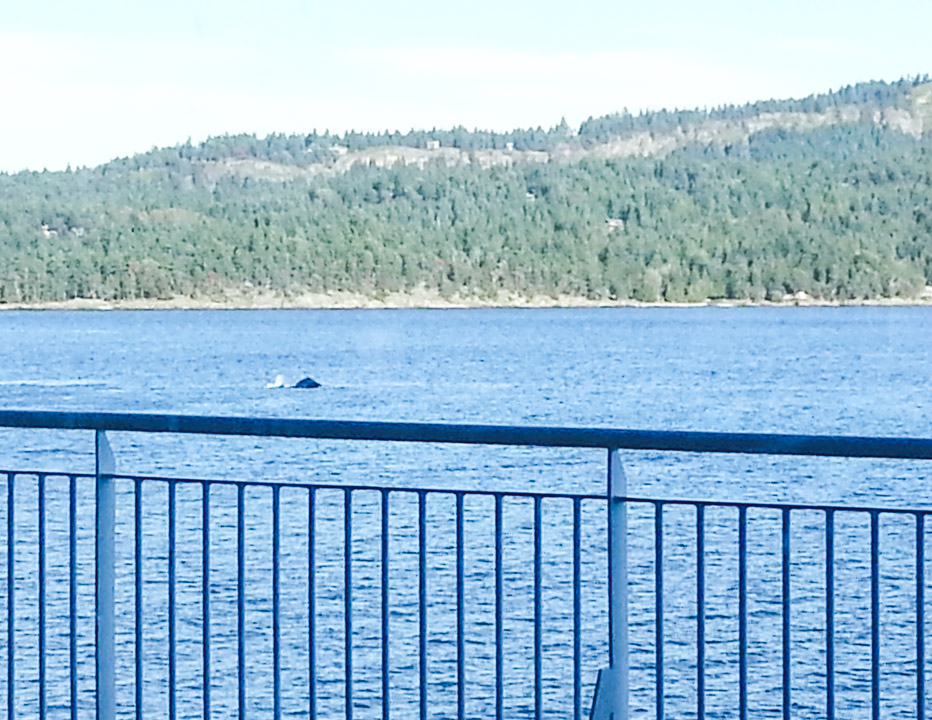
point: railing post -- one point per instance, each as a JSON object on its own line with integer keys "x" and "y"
{"x": 104, "y": 572}
{"x": 611, "y": 694}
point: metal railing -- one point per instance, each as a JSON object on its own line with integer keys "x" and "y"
{"x": 424, "y": 602}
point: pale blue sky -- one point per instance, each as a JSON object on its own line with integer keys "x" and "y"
{"x": 81, "y": 82}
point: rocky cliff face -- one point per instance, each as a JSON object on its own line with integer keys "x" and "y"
{"x": 914, "y": 120}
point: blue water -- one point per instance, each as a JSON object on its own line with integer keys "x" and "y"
{"x": 863, "y": 371}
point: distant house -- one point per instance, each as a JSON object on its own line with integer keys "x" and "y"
{"x": 433, "y": 144}
{"x": 509, "y": 147}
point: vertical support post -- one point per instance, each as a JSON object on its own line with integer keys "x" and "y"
{"x": 104, "y": 571}
{"x": 611, "y": 693}
{"x": 617, "y": 564}
{"x": 618, "y": 581}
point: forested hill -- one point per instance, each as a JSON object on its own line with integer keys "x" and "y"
{"x": 830, "y": 196}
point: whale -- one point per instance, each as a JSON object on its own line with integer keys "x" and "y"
{"x": 302, "y": 384}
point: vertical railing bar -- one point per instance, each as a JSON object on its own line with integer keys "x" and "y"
{"x": 276, "y": 628}
{"x": 72, "y": 595}
{"x": 241, "y": 600}
{"x": 499, "y": 654}
{"x": 920, "y": 618}
{"x": 205, "y": 595}
{"x": 386, "y": 668}
{"x": 172, "y": 695}
{"x": 830, "y": 614}
{"x": 577, "y": 620}
{"x": 311, "y": 608}
{"x": 137, "y": 607}
{"x": 742, "y": 613}
{"x": 700, "y": 611}
{"x": 422, "y": 601}
{"x": 10, "y": 596}
{"x": 538, "y": 679}
{"x": 348, "y": 598}
{"x": 460, "y": 620}
{"x": 40, "y": 520}
{"x": 658, "y": 608}
{"x": 787, "y": 694}
{"x": 875, "y": 615}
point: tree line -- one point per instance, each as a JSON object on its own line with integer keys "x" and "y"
{"x": 838, "y": 212}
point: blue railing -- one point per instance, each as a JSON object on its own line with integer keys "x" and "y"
{"x": 137, "y": 596}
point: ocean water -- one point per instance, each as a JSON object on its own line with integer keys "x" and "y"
{"x": 862, "y": 371}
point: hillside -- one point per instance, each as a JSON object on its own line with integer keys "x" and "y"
{"x": 828, "y": 196}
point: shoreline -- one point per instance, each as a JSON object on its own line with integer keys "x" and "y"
{"x": 430, "y": 300}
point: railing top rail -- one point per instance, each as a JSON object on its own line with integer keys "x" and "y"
{"x": 622, "y": 439}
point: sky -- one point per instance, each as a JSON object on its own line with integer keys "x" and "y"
{"x": 84, "y": 82}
